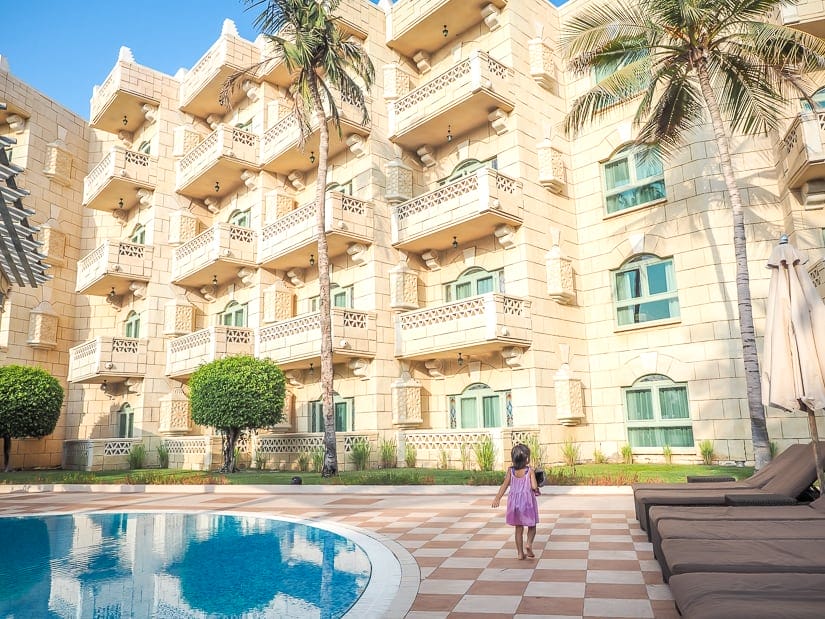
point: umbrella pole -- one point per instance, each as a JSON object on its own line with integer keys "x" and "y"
{"x": 815, "y": 437}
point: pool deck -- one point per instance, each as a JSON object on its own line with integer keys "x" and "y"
{"x": 456, "y": 553}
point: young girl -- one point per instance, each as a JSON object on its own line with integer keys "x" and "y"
{"x": 522, "y": 507}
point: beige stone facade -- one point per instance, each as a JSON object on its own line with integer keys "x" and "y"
{"x": 492, "y": 276}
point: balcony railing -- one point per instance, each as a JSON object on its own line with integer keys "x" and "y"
{"x": 113, "y": 183}
{"x": 288, "y": 241}
{"x": 201, "y": 87}
{"x": 469, "y": 208}
{"x": 462, "y": 97}
{"x": 807, "y": 15}
{"x": 801, "y": 153}
{"x": 215, "y": 253}
{"x": 106, "y": 358}
{"x": 118, "y": 104}
{"x": 185, "y": 354}
{"x": 112, "y": 266}
{"x": 280, "y": 151}
{"x": 475, "y": 325}
{"x": 213, "y": 168}
{"x": 417, "y": 26}
{"x": 298, "y": 339}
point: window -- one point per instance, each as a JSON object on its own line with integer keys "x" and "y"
{"x": 477, "y": 406}
{"x": 244, "y": 125}
{"x": 340, "y": 296}
{"x": 145, "y": 147}
{"x": 240, "y": 218}
{"x": 658, "y": 413}
{"x": 344, "y": 414}
{"x": 467, "y": 167}
{"x": 126, "y": 422}
{"x": 818, "y": 99}
{"x": 632, "y": 177}
{"x": 473, "y": 282}
{"x": 133, "y": 324}
{"x": 234, "y": 315}
{"x": 138, "y": 236}
{"x": 345, "y": 188}
{"x": 645, "y": 290}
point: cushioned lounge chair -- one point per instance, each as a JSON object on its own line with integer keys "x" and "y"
{"x": 791, "y": 477}
{"x": 713, "y": 595}
{"x": 766, "y": 556}
{"x": 661, "y": 513}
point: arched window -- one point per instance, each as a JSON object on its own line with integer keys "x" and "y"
{"x": 345, "y": 188}
{"x": 145, "y": 147}
{"x": 658, "y": 413}
{"x": 125, "y": 421}
{"x": 132, "y": 324}
{"x": 240, "y": 218}
{"x": 244, "y": 125}
{"x": 339, "y": 296}
{"x": 473, "y": 282}
{"x": 632, "y": 177}
{"x": 234, "y": 315}
{"x": 477, "y": 406}
{"x": 138, "y": 236}
{"x": 467, "y": 167}
{"x": 344, "y": 414}
{"x": 645, "y": 290}
{"x": 819, "y": 101}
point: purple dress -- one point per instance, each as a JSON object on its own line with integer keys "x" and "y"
{"x": 522, "y": 507}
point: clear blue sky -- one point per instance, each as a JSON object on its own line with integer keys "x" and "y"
{"x": 64, "y": 48}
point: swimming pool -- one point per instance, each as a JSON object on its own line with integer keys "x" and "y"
{"x": 174, "y": 564}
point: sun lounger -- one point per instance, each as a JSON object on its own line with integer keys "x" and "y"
{"x": 713, "y": 595}
{"x": 682, "y": 556}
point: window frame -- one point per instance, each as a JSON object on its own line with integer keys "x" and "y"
{"x": 634, "y": 185}
{"x": 655, "y": 384}
{"x": 241, "y": 218}
{"x": 478, "y": 393}
{"x": 468, "y": 166}
{"x": 131, "y": 326}
{"x": 138, "y": 235}
{"x": 126, "y": 421}
{"x": 335, "y": 292}
{"x": 472, "y": 277}
{"x": 641, "y": 263}
{"x": 237, "y": 309}
{"x": 315, "y": 414}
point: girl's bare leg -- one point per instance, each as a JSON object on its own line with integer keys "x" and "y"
{"x": 520, "y": 541}
{"x": 528, "y": 547}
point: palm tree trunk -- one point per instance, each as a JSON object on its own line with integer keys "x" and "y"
{"x": 750, "y": 358}
{"x": 330, "y": 449}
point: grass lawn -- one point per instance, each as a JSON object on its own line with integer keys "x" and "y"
{"x": 584, "y": 474}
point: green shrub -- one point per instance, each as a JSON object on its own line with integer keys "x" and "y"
{"x": 774, "y": 448}
{"x": 571, "y": 452}
{"x": 465, "y": 456}
{"x": 667, "y": 452}
{"x": 443, "y": 459}
{"x": 360, "y": 453}
{"x": 163, "y": 456}
{"x": 318, "y": 459}
{"x": 706, "y": 451}
{"x": 599, "y": 457}
{"x": 388, "y": 454}
{"x": 485, "y": 453}
{"x": 80, "y": 477}
{"x": 410, "y": 456}
{"x": 303, "y": 461}
{"x": 384, "y": 477}
{"x": 627, "y": 453}
{"x": 536, "y": 451}
{"x": 137, "y": 456}
{"x": 261, "y": 459}
{"x": 486, "y": 478}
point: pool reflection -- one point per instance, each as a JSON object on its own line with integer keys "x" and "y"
{"x": 177, "y": 565}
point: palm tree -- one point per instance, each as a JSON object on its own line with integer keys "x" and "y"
{"x": 306, "y": 37}
{"x": 687, "y": 60}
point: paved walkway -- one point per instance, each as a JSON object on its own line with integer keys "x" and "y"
{"x": 457, "y": 554}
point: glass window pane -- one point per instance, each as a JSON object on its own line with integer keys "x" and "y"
{"x": 653, "y": 310}
{"x": 628, "y": 285}
{"x": 484, "y": 285}
{"x": 616, "y": 174}
{"x": 677, "y": 437}
{"x": 339, "y": 299}
{"x": 647, "y": 167}
{"x": 642, "y": 437}
{"x": 659, "y": 277}
{"x": 463, "y": 290}
{"x": 639, "y": 404}
{"x": 673, "y": 403}
{"x": 316, "y": 419}
{"x": 492, "y": 415}
{"x": 341, "y": 417}
{"x": 469, "y": 416}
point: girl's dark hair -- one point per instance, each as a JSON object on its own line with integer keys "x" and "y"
{"x": 520, "y": 455}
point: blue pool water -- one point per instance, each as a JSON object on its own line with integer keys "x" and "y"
{"x": 170, "y": 564}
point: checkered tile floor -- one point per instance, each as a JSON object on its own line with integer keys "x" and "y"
{"x": 591, "y": 563}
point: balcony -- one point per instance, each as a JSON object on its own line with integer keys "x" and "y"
{"x": 801, "y": 153}
{"x": 808, "y": 16}
{"x": 288, "y": 241}
{"x": 213, "y": 168}
{"x": 468, "y": 208}
{"x": 460, "y": 99}
{"x": 186, "y": 354}
{"x": 473, "y": 326}
{"x": 200, "y": 89}
{"x": 114, "y": 183}
{"x": 113, "y": 359}
{"x": 113, "y": 266}
{"x": 280, "y": 152}
{"x": 417, "y": 26}
{"x": 119, "y": 103}
{"x": 215, "y": 255}
{"x": 294, "y": 342}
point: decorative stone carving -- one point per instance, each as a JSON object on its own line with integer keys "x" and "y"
{"x": 396, "y": 82}
{"x": 542, "y": 68}
{"x": 213, "y": 120}
{"x": 296, "y": 178}
{"x": 125, "y": 138}
{"x": 179, "y": 317}
{"x": 250, "y": 179}
{"x": 403, "y": 286}
{"x": 512, "y": 356}
{"x": 150, "y": 113}
{"x": 357, "y": 253}
{"x": 432, "y": 259}
{"x": 53, "y": 243}
{"x": 422, "y": 61}
{"x": 145, "y": 197}
{"x": 568, "y": 390}
{"x": 132, "y": 386}
{"x": 209, "y": 293}
{"x": 58, "y": 163}
{"x": 399, "y": 179}
{"x": 498, "y": 121}
{"x": 138, "y": 289}
{"x": 185, "y": 139}
{"x": 551, "y": 167}
{"x": 120, "y": 216}
{"x": 359, "y": 368}
{"x": 183, "y": 227}
{"x": 43, "y": 321}
{"x": 435, "y": 368}
{"x": 278, "y": 302}
{"x": 175, "y": 418}
{"x": 490, "y": 14}
{"x": 560, "y": 286}
{"x": 16, "y": 123}
{"x": 295, "y": 378}
{"x": 406, "y": 401}
{"x": 247, "y": 276}
{"x": 296, "y": 277}
{"x": 813, "y": 194}
{"x": 356, "y": 145}
{"x": 426, "y": 155}
{"x": 506, "y": 236}
{"x": 251, "y": 89}
{"x": 212, "y": 205}
{"x": 278, "y": 203}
